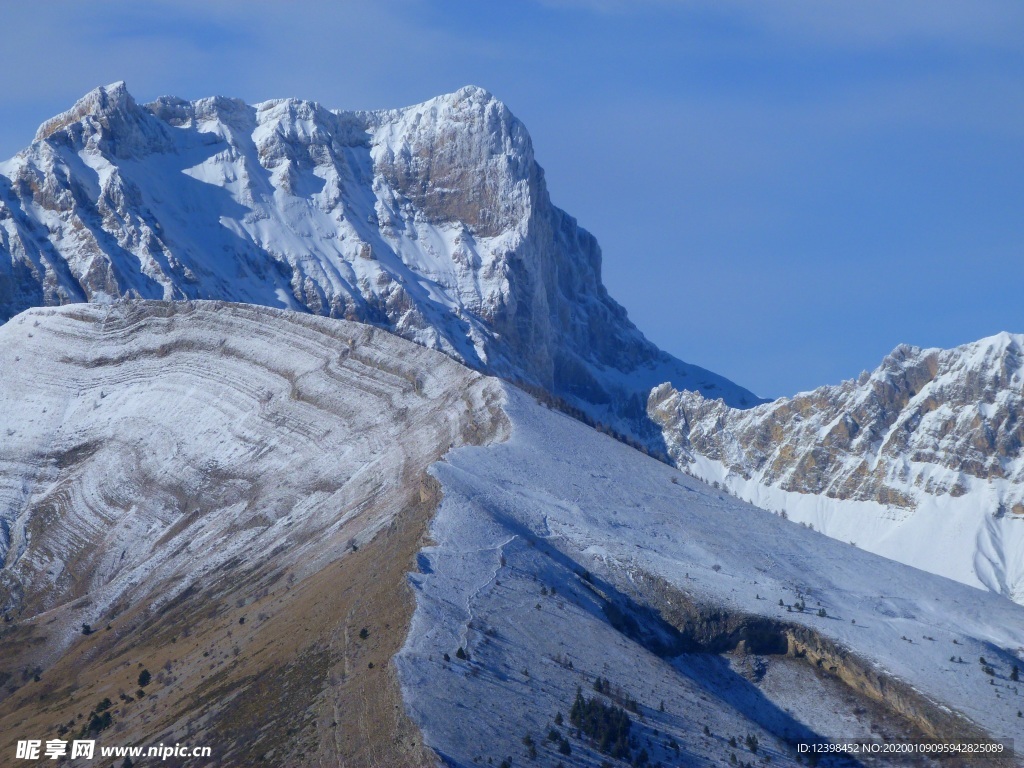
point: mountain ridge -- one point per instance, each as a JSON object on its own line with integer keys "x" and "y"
{"x": 931, "y": 439}
{"x": 433, "y": 221}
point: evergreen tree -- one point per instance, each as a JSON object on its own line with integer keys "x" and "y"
{"x": 607, "y": 725}
{"x": 752, "y": 743}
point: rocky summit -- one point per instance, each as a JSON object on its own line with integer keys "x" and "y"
{"x": 433, "y": 222}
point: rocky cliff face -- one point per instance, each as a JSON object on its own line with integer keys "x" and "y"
{"x": 929, "y": 429}
{"x": 432, "y": 221}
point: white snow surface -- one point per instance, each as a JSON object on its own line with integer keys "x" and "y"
{"x": 558, "y": 498}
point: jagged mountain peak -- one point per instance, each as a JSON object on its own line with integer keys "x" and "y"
{"x": 1004, "y": 347}
{"x": 101, "y": 101}
{"x": 467, "y": 100}
{"x": 433, "y": 221}
{"x": 108, "y": 120}
{"x": 1002, "y": 355}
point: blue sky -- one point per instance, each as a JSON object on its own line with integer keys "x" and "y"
{"x": 783, "y": 189}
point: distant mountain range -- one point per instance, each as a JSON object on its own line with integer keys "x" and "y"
{"x": 920, "y": 460}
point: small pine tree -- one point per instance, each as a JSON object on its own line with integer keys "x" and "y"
{"x": 144, "y": 678}
{"x": 461, "y": 654}
{"x": 531, "y": 751}
{"x": 99, "y": 723}
{"x": 558, "y": 718}
{"x": 752, "y": 743}
{"x": 1015, "y": 674}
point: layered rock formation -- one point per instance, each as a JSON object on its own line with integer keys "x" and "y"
{"x": 225, "y": 495}
{"x": 929, "y": 429}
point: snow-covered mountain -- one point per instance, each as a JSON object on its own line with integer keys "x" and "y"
{"x": 230, "y": 497}
{"x": 432, "y": 221}
{"x": 921, "y": 460}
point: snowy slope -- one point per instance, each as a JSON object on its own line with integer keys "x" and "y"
{"x": 225, "y": 494}
{"x": 170, "y": 470}
{"x": 432, "y": 221}
{"x": 148, "y": 444}
{"x": 523, "y": 519}
{"x": 920, "y": 460}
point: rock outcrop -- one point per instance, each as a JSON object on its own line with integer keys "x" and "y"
{"x": 930, "y": 433}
